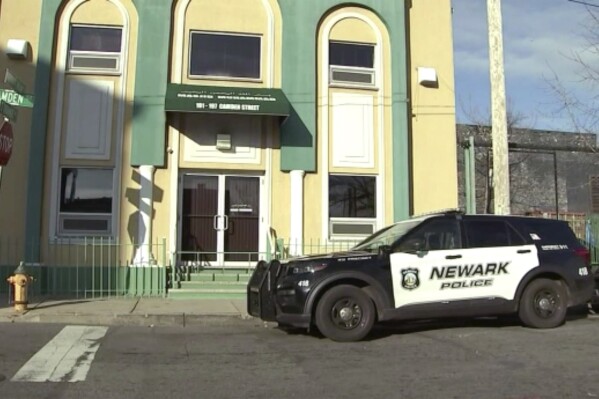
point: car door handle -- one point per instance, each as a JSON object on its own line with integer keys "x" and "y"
{"x": 524, "y": 251}
{"x": 453, "y": 256}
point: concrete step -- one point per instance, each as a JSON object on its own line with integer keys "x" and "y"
{"x": 210, "y": 276}
{"x": 206, "y": 293}
{"x": 217, "y": 285}
{"x": 223, "y": 283}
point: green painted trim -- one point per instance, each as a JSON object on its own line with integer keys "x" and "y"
{"x": 39, "y": 127}
{"x": 148, "y": 141}
{"x": 298, "y": 134}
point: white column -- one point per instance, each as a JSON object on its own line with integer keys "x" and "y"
{"x": 143, "y": 254}
{"x": 297, "y": 212}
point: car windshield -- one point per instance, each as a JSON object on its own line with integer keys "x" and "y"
{"x": 387, "y": 235}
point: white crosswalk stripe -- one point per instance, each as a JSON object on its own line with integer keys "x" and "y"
{"x": 66, "y": 358}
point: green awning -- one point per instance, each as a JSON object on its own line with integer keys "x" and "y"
{"x": 226, "y": 100}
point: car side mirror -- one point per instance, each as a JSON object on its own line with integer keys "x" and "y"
{"x": 384, "y": 250}
{"x": 413, "y": 245}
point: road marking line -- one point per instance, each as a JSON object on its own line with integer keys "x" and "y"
{"x": 66, "y": 358}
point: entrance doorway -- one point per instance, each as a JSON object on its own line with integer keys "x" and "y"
{"x": 220, "y": 219}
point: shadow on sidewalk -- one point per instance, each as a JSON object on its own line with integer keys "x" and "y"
{"x": 48, "y": 302}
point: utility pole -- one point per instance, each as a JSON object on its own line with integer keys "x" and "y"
{"x": 501, "y": 171}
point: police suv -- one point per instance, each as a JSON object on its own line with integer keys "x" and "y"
{"x": 440, "y": 265}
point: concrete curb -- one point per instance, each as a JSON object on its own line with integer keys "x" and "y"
{"x": 142, "y": 320}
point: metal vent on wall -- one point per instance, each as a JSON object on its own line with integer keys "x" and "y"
{"x": 351, "y": 229}
{"x": 89, "y": 62}
{"x": 351, "y": 76}
{"x": 85, "y": 224}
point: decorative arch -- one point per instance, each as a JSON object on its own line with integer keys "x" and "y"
{"x": 178, "y": 71}
{"x": 179, "y": 40}
{"x": 382, "y": 41}
{"x": 59, "y": 82}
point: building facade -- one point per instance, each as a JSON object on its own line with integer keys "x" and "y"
{"x": 217, "y": 125}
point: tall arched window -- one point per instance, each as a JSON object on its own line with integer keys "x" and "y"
{"x": 90, "y": 77}
{"x": 352, "y": 122}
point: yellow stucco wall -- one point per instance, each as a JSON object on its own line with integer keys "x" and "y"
{"x": 18, "y": 20}
{"x": 433, "y": 109}
{"x": 97, "y": 12}
{"x": 352, "y": 29}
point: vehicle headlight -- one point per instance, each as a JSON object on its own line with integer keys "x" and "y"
{"x": 307, "y": 268}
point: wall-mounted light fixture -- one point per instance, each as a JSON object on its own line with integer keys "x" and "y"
{"x": 17, "y": 49}
{"x": 427, "y": 76}
{"x": 223, "y": 141}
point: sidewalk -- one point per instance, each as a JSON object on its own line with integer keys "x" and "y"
{"x": 147, "y": 312}
{"x": 129, "y": 311}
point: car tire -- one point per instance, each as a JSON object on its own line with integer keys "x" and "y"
{"x": 544, "y": 304}
{"x": 345, "y": 313}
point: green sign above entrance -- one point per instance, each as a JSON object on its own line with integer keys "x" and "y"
{"x": 226, "y": 100}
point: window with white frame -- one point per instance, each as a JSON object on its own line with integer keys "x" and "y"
{"x": 351, "y": 64}
{"x": 95, "y": 48}
{"x": 220, "y": 55}
{"x": 86, "y": 201}
{"x": 352, "y": 205}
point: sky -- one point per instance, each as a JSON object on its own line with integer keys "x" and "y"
{"x": 539, "y": 39}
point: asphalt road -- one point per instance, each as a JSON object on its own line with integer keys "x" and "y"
{"x": 248, "y": 359}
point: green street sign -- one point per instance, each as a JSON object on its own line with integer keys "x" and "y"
{"x": 8, "y": 111}
{"x": 16, "y": 99}
{"x": 13, "y": 82}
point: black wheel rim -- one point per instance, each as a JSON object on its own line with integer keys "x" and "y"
{"x": 546, "y": 303}
{"x": 346, "y": 314}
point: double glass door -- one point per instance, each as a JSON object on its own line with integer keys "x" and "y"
{"x": 220, "y": 219}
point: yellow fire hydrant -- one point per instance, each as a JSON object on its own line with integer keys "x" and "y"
{"x": 20, "y": 280}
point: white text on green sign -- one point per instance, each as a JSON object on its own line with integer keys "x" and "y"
{"x": 14, "y": 98}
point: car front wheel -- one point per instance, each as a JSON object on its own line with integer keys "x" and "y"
{"x": 544, "y": 304}
{"x": 345, "y": 313}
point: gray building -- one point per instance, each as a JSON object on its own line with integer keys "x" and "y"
{"x": 550, "y": 172}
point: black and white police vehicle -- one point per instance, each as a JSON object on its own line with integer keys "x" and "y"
{"x": 439, "y": 265}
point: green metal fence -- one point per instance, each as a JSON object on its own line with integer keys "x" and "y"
{"x": 87, "y": 268}
{"x": 591, "y": 238}
{"x": 101, "y": 267}
{"x": 586, "y": 228}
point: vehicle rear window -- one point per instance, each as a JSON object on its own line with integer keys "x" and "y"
{"x": 546, "y": 232}
{"x": 491, "y": 233}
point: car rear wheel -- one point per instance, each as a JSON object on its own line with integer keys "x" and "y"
{"x": 345, "y": 313}
{"x": 544, "y": 304}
